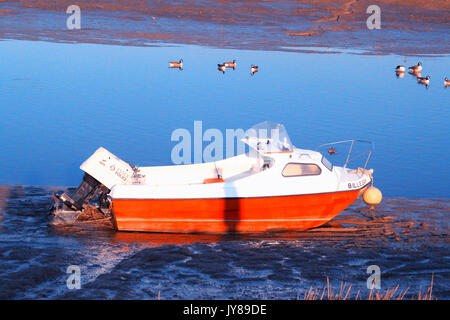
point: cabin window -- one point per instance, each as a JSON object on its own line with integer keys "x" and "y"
{"x": 327, "y": 164}
{"x": 301, "y": 169}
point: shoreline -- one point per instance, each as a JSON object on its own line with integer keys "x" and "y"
{"x": 406, "y": 29}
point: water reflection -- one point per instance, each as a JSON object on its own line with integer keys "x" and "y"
{"x": 400, "y": 74}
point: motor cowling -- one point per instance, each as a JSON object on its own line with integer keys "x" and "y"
{"x": 86, "y": 192}
{"x": 102, "y": 170}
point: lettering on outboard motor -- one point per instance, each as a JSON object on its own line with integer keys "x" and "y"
{"x": 122, "y": 174}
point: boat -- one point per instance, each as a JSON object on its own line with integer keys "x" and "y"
{"x": 275, "y": 186}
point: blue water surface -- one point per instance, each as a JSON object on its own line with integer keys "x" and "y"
{"x": 60, "y": 102}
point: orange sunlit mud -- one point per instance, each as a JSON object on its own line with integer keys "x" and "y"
{"x": 280, "y": 25}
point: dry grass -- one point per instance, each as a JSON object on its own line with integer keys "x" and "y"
{"x": 343, "y": 293}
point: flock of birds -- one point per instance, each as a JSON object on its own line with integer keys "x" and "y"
{"x": 416, "y": 71}
{"x": 221, "y": 66}
{"x": 399, "y": 71}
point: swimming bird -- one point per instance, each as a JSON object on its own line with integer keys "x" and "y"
{"x": 253, "y": 69}
{"x": 175, "y": 64}
{"x": 446, "y": 82}
{"x": 400, "y": 69}
{"x": 221, "y": 67}
{"x": 416, "y": 68}
{"x": 230, "y": 64}
{"x": 425, "y": 81}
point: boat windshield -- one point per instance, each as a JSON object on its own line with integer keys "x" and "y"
{"x": 268, "y": 137}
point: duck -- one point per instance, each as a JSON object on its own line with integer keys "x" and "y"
{"x": 400, "y": 69}
{"x": 230, "y": 64}
{"x": 221, "y": 67}
{"x": 253, "y": 69}
{"x": 425, "y": 80}
{"x": 416, "y": 68}
{"x": 175, "y": 64}
{"x": 446, "y": 82}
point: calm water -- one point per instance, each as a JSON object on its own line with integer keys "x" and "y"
{"x": 60, "y": 102}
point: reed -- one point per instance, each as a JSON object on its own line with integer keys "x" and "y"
{"x": 343, "y": 292}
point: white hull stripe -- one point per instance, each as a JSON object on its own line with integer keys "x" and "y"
{"x": 122, "y": 198}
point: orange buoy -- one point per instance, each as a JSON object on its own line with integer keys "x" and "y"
{"x": 372, "y": 196}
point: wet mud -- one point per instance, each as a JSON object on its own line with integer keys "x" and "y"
{"x": 306, "y": 26}
{"x": 406, "y": 238}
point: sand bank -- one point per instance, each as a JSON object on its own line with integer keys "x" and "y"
{"x": 407, "y": 27}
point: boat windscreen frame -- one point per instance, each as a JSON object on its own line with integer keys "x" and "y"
{"x": 268, "y": 137}
{"x": 352, "y": 143}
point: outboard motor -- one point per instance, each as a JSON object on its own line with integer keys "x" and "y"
{"x": 102, "y": 170}
{"x": 86, "y": 192}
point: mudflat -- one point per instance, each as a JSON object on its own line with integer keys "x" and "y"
{"x": 407, "y": 27}
{"x": 407, "y": 239}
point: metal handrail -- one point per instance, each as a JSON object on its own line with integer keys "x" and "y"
{"x": 372, "y": 148}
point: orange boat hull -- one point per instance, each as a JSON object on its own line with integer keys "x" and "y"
{"x": 226, "y": 215}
